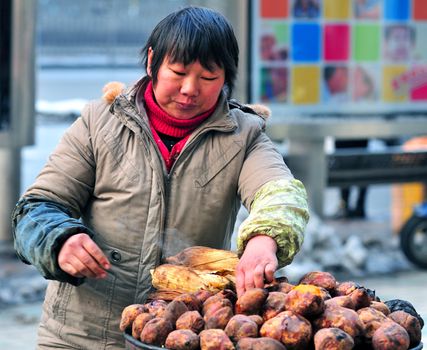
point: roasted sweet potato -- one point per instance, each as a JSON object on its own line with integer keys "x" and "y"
{"x": 293, "y": 330}
{"x": 284, "y": 287}
{"x": 371, "y": 319}
{"x": 390, "y": 336}
{"x": 321, "y": 279}
{"x": 129, "y": 314}
{"x": 274, "y": 285}
{"x": 251, "y": 302}
{"x": 139, "y": 324}
{"x": 228, "y": 294}
{"x": 360, "y": 297}
{"x": 157, "y": 307}
{"x": 345, "y": 288}
{"x": 404, "y": 305}
{"x": 274, "y": 304}
{"x": 156, "y": 331}
{"x": 174, "y": 310}
{"x": 380, "y": 306}
{"x": 340, "y": 317}
{"x": 306, "y": 300}
{"x": 183, "y": 339}
{"x": 411, "y": 325}
{"x": 213, "y": 303}
{"x": 203, "y": 294}
{"x": 342, "y": 300}
{"x": 332, "y": 339}
{"x": 190, "y": 300}
{"x": 219, "y": 318}
{"x": 215, "y": 339}
{"x": 190, "y": 320}
{"x": 259, "y": 344}
{"x": 257, "y": 319}
{"x": 241, "y": 326}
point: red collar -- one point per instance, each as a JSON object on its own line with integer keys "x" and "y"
{"x": 164, "y": 123}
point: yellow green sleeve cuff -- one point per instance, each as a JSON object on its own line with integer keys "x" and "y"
{"x": 280, "y": 211}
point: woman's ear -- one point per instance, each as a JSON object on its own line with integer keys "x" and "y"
{"x": 149, "y": 60}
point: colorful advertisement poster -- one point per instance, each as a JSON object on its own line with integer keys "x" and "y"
{"x": 340, "y": 56}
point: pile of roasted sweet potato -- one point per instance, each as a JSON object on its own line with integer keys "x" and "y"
{"x": 317, "y": 313}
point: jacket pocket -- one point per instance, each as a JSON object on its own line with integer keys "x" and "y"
{"x": 81, "y": 315}
{"x": 216, "y": 166}
{"x": 120, "y": 157}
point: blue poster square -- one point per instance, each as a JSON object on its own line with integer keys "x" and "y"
{"x": 396, "y": 10}
{"x": 306, "y": 39}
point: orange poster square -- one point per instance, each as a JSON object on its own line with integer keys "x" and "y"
{"x": 274, "y": 8}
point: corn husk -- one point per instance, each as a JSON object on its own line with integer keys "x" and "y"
{"x": 186, "y": 279}
{"x": 206, "y": 259}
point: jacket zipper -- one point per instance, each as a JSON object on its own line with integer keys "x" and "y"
{"x": 168, "y": 176}
{"x": 162, "y": 173}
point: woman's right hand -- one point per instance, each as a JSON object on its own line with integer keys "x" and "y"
{"x": 80, "y": 256}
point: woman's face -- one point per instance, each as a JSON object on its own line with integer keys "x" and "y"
{"x": 186, "y": 91}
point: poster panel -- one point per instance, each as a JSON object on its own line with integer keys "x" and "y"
{"x": 339, "y": 56}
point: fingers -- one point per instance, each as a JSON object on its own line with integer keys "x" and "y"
{"x": 89, "y": 267}
{"x": 247, "y": 278}
{"x": 81, "y": 257}
{"x": 258, "y": 277}
{"x": 76, "y": 267}
{"x": 96, "y": 253}
{"x": 240, "y": 282}
{"x": 270, "y": 269}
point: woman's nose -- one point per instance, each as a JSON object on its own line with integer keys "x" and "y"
{"x": 190, "y": 87}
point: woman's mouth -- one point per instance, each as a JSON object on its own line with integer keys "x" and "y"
{"x": 186, "y": 106}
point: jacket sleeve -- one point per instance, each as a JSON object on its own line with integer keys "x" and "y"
{"x": 279, "y": 210}
{"x": 40, "y": 227}
{"x": 276, "y": 201}
{"x": 68, "y": 178}
{"x": 49, "y": 211}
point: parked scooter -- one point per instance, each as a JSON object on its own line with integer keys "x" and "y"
{"x": 413, "y": 237}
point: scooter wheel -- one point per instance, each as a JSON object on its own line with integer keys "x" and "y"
{"x": 413, "y": 240}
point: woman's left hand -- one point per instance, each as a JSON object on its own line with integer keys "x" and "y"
{"x": 257, "y": 264}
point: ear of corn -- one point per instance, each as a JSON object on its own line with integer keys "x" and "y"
{"x": 206, "y": 259}
{"x": 168, "y": 276}
{"x": 196, "y": 268}
{"x": 164, "y": 294}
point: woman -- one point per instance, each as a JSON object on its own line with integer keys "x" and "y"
{"x": 166, "y": 166}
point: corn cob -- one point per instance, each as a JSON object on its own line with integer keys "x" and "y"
{"x": 206, "y": 259}
{"x": 185, "y": 279}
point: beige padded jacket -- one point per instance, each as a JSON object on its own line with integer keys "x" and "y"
{"x": 108, "y": 171}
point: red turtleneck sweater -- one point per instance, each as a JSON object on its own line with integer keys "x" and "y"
{"x": 170, "y": 130}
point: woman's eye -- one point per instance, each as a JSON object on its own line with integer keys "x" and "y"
{"x": 209, "y": 78}
{"x": 178, "y": 72}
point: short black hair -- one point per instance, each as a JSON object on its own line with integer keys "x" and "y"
{"x": 194, "y": 34}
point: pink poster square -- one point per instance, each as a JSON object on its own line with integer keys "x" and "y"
{"x": 419, "y": 93}
{"x": 337, "y": 42}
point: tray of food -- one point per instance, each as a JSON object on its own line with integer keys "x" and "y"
{"x": 190, "y": 310}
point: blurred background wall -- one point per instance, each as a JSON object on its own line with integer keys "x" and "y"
{"x": 111, "y": 33}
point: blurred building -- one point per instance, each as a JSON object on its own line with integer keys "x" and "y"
{"x": 101, "y": 32}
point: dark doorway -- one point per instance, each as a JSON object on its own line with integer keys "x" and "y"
{"x": 5, "y": 48}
